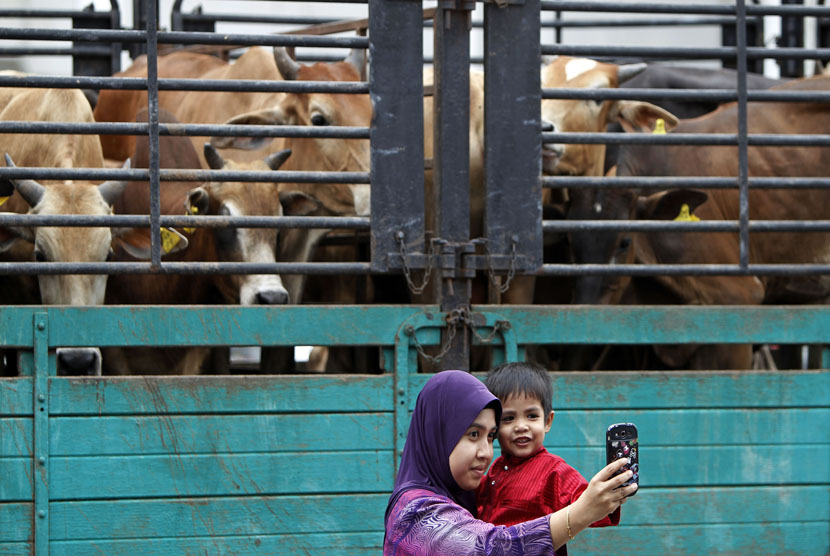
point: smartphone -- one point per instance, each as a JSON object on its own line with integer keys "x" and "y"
{"x": 621, "y": 442}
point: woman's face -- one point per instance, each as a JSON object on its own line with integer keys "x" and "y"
{"x": 471, "y": 456}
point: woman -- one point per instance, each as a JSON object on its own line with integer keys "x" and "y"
{"x": 448, "y": 449}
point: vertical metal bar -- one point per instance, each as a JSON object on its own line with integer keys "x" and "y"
{"x": 141, "y": 10}
{"x": 792, "y": 36}
{"x": 401, "y": 370}
{"x": 823, "y": 32}
{"x": 115, "y": 48}
{"x": 558, "y": 28}
{"x": 743, "y": 142}
{"x": 451, "y": 166}
{"x": 153, "y": 121}
{"x": 512, "y": 133}
{"x": 396, "y": 48}
{"x": 40, "y": 428}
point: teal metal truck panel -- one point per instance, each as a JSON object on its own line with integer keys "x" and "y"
{"x": 733, "y": 462}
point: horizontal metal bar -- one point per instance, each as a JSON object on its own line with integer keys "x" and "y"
{"x": 179, "y": 37}
{"x": 476, "y": 23}
{"x": 694, "y": 53}
{"x": 233, "y": 18}
{"x": 219, "y": 85}
{"x": 327, "y": 269}
{"x": 643, "y": 22}
{"x": 100, "y": 174}
{"x": 55, "y": 14}
{"x": 356, "y": 268}
{"x": 68, "y": 51}
{"x": 717, "y": 95}
{"x": 253, "y": 86}
{"x": 721, "y": 139}
{"x": 684, "y": 270}
{"x": 186, "y": 221}
{"x": 698, "y": 9}
{"x": 581, "y": 182}
{"x": 122, "y": 128}
{"x": 673, "y": 226}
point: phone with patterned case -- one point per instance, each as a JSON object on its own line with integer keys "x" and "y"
{"x": 621, "y": 442}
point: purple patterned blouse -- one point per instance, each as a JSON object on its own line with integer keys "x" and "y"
{"x": 423, "y": 523}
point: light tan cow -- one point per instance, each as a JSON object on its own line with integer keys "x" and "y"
{"x": 58, "y": 244}
{"x": 313, "y": 154}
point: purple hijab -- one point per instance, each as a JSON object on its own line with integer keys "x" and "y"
{"x": 447, "y": 405}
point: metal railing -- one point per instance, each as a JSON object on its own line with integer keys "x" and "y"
{"x": 740, "y": 14}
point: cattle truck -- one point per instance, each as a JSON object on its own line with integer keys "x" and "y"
{"x": 279, "y": 460}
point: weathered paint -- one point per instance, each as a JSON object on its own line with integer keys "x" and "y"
{"x": 304, "y": 464}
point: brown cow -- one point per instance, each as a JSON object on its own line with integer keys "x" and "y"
{"x": 205, "y": 245}
{"x": 123, "y": 105}
{"x": 722, "y": 248}
{"x": 58, "y": 244}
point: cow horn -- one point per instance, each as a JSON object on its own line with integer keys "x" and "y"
{"x": 111, "y": 190}
{"x": 30, "y": 190}
{"x": 275, "y": 160}
{"x": 357, "y": 58}
{"x": 628, "y": 71}
{"x": 214, "y": 159}
{"x": 288, "y": 67}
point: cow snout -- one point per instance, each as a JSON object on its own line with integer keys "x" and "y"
{"x": 79, "y": 362}
{"x": 271, "y": 297}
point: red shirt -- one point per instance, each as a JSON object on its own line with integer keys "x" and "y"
{"x": 515, "y": 490}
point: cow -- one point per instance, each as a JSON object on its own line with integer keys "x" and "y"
{"x": 318, "y": 154}
{"x": 204, "y": 244}
{"x": 721, "y": 204}
{"x": 115, "y": 105}
{"x": 58, "y": 244}
{"x": 663, "y": 76}
{"x": 308, "y": 154}
{"x": 562, "y": 115}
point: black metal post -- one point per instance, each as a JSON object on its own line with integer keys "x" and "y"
{"x": 823, "y": 33}
{"x": 792, "y": 36}
{"x": 140, "y": 23}
{"x": 108, "y": 61}
{"x": 451, "y": 167}
{"x": 754, "y": 37}
{"x": 397, "y": 156}
{"x": 512, "y": 131}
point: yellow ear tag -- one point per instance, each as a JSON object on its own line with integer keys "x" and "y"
{"x": 685, "y": 215}
{"x": 3, "y": 200}
{"x": 169, "y": 240}
{"x": 659, "y": 127}
{"x": 191, "y": 211}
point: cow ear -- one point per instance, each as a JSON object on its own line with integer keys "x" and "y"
{"x": 6, "y": 190}
{"x": 136, "y": 242}
{"x": 297, "y": 203}
{"x": 667, "y": 205}
{"x": 198, "y": 201}
{"x": 259, "y": 117}
{"x": 8, "y": 237}
{"x": 635, "y": 116}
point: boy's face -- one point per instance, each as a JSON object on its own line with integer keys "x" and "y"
{"x": 523, "y": 425}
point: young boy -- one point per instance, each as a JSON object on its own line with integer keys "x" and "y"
{"x": 527, "y": 481}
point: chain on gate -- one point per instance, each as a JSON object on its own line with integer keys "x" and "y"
{"x": 462, "y": 316}
{"x": 491, "y": 273}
